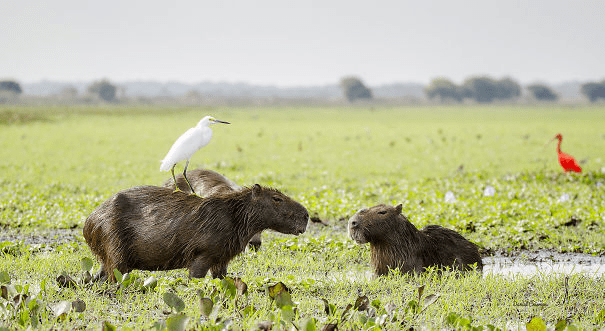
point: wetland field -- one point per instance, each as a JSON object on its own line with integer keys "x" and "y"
{"x": 483, "y": 171}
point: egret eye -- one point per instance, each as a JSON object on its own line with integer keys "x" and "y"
{"x": 382, "y": 212}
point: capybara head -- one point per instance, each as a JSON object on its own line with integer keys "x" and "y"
{"x": 372, "y": 224}
{"x": 278, "y": 211}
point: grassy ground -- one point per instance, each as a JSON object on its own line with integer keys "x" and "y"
{"x": 58, "y": 164}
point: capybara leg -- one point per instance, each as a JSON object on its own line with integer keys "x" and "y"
{"x": 199, "y": 268}
{"x": 219, "y": 270}
{"x": 255, "y": 242}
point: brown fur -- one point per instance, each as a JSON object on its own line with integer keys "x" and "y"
{"x": 154, "y": 228}
{"x": 206, "y": 183}
{"x": 397, "y": 243}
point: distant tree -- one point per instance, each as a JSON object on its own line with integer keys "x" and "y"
{"x": 103, "y": 89}
{"x": 542, "y": 92}
{"x": 594, "y": 91}
{"x": 354, "y": 89}
{"x": 482, "y": 89}
{"x": 506, "y": 88}
{"x": 10, "y": 86}
{"x": 444, "y": 89}
{"x": 485, "y": 89}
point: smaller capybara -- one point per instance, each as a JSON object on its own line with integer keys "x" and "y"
{"x": 205, "y": 183}
{"x": 397, "y": 243}
{"x": 155, "y": 228}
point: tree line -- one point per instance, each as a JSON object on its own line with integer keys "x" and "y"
{"x": 482, "y": 89}
{"x": 102, "y": 89}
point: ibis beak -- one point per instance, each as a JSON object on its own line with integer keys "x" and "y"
{"x": 549, "y": 142}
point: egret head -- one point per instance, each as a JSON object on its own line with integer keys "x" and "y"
{"x": 207, "y": 120}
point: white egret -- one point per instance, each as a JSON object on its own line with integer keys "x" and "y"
{"x": 187, "y": 144}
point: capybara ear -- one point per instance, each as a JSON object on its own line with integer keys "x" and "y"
{"x": 256, "y": 189}
{"x": 398, "y": 208}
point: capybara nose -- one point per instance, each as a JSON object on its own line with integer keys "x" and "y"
{"x": 354, "y": 224}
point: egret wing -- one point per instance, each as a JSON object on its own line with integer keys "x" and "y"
{"x": 185, "y": 146}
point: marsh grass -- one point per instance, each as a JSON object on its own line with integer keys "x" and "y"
{"x": 504, "y": 302}
{"x": 56, "y": 170}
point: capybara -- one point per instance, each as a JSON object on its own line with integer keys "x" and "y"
{"x": 205, "y": 183}
{"x": 154, "y": 228}
{"x": 397, "y": 243}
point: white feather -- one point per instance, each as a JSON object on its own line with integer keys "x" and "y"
{"x": 188, "y": 143}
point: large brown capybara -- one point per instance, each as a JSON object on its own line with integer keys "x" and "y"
{"x": 397, "y": 243}
{"x": 205, "y": 183}
{"x": 154, "y": 228}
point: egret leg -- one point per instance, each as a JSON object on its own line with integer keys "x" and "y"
{"x": 187, "y": 180}
{"x": 175, "y": 184}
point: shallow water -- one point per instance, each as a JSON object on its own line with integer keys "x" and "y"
{"x": 544, "y": 262}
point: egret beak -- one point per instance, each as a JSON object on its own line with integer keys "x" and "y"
{"x": 217, "y": 121}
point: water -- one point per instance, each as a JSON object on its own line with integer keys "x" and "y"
{"x": 544, "y": 262}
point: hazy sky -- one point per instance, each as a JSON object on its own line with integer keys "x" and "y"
{"x": 287, "y": 43}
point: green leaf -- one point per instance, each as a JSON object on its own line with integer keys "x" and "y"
{"x": 287, "y": 313}
{"x": 126, "y": 280}
{"x": 307, "y": 324}
{"x": 601, "y": 316}
{"x": 206, "y": 306}
{"x": 159, "y": 325}
{"x": 108, "y": 326}
{"x": 248, "y": 310}
{"x": 174, "y": 301}
{"x": 86, "y": 264}
{"x": 283, "y": 299}
{"x": 536, "y": 324}
{"x": 177, "y": 322}
{"x": 4, "y": 277}
{"x": 277, "y": 288}
{"x": 43, "y": 285}
{"x": 560, "y": 326}
{"x": 228, "y": 285}
{"x": 118, "y": 275}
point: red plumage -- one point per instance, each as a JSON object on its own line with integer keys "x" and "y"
{"x": 565, "y": 160}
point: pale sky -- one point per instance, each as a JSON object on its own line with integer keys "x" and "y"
{"x": 291, "y": 43}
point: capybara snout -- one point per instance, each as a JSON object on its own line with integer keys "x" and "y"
{"x": 277, "y": 206}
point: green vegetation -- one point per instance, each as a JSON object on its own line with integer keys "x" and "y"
{"x": 58, "y": 164}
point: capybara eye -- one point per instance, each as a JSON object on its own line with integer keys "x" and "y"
{"x": 277, "y": 199}
{"x": 382, "y": 212}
